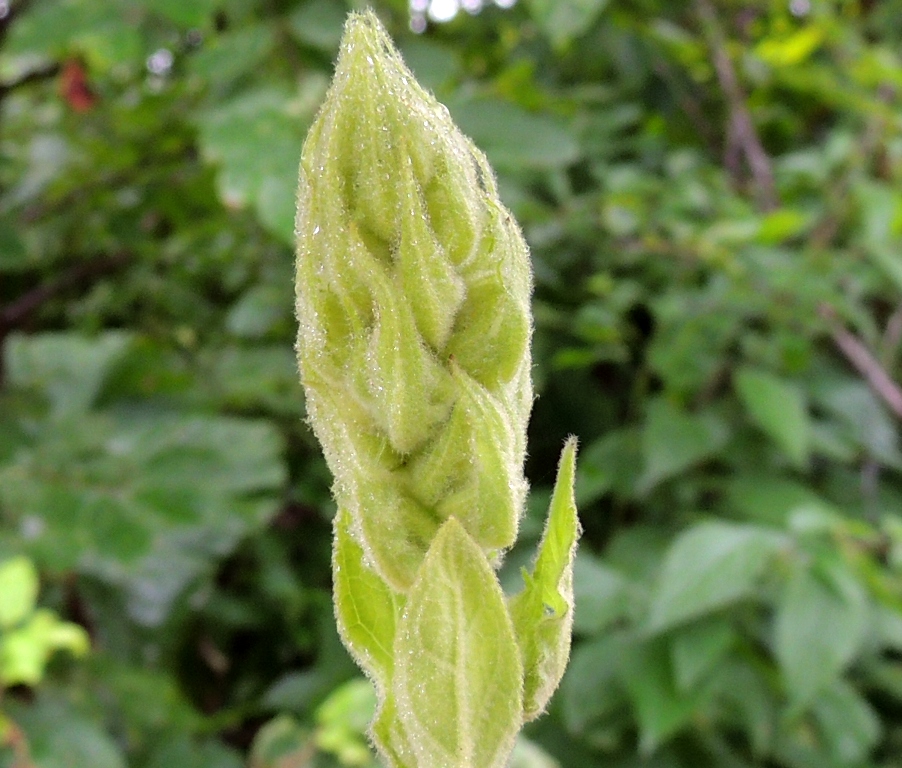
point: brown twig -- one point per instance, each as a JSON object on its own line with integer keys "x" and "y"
{"x": 17, "y": 312}
{"x": 16, "y": 740}
{"x": 865, "y": 363}
{"x": 741, "y": 130}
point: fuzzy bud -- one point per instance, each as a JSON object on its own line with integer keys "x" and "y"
{"x": 413, "y": 291}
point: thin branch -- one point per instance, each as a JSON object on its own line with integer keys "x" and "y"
{"x": 18, "y": 311}
{"x": 865, "y": 363}
{"x": 32, "y": 76}
{"x": 741, "y": 129}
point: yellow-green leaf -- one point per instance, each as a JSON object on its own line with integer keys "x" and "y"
{"x": 18, "y": 590}
{"x": 365, "y": 606}
{"x": 543, "y": 612}
{"x": 778, "y": 407}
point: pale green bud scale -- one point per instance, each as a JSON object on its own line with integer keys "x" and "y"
{"x": 409, "y": 267}
{"x": 428, "y": 274}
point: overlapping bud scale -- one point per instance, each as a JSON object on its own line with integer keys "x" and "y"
{"x": 413, "y": 303}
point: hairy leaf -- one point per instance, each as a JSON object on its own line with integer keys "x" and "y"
{"x": 457, "y": 667}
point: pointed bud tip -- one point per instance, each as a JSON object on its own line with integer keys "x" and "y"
{"x": 364, "y": 36}
{"x": 567, "y": 463}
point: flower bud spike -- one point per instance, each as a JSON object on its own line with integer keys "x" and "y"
{"x": 413, "y": 305}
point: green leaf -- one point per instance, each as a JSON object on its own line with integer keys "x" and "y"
{"x": 780, "y": 225}
{"x": 249, "y": 136}
{"x": 818, "y": 629}
{"x": 778, "y": 408}
{"x": 708, "y": 567}
{"x": 529, "y": 755}
{"x": 390, "y": 736}
{"x": 591, "y": 691}
{"x": 228, "y": 56}
{"x": 193, "y": 14}
{"x": 848, "y": 724}
{"x": 457, "y": 668}
{"x": 661, "y": 708}
{"x": 59, "y": 736}
{"x": 890, "y": 262}
{"x": 319, "y": 23}
{"x": 25, "y": 650}
{"x": 250, "y": 378}
{"x": 300, "y": 692}
{"x": 637, "y": 551}
{"x": 13, "y": 254}
{"x": 295, "y": 691}
{"x": 148, "y": 502}
{"x": 342, "y": 723}
{"x": 68, "y": 368}
{"x": 772, "y": 500}
{"x": 864, "y": 416}
{"x": 101, "y": 32}
{"x": 18, "y": 590}
{"x": 746, "y": 696}
{"x": 254, "y": 138}
{"x": 562, "y": 20}
{"x": 181, "y": 750}
{"x": 365, "y": 606}
{"x": 880, "y": 205}
{"x": 787, "y": 50}
{"x": 280, "y": 742}
{"x": 602, "y": 594}
{"x": 543, "y": 612}
{"x": 515, "y": 139}
{"x": 434, "y": 64}
{"x": 698, "y": 649}
{"x": 673, "y": 441}
{"x": 610, "y": 464}
{"x": 140, "y": 695}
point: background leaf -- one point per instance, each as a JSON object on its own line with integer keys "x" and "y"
{"x": 819, "y": 626}
{"x": 778, "y": 409}
{"x": 673, "y": 441}
{"x": 566, "y": 19}
{"x": 708, "y": 567}
{"x": 18, "y": 590}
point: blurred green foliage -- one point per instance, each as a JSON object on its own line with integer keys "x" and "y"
{"x": 711, "y": 191}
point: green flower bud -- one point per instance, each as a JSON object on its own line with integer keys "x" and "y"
{"x": 413, "y": 291}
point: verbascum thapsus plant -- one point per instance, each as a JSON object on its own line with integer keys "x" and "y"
{"x": 413, "y": 302}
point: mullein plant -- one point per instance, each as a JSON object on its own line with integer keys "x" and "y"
{"x": 413, "y": 302}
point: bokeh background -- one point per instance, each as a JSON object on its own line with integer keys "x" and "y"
{"x": 711, "y": 191}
